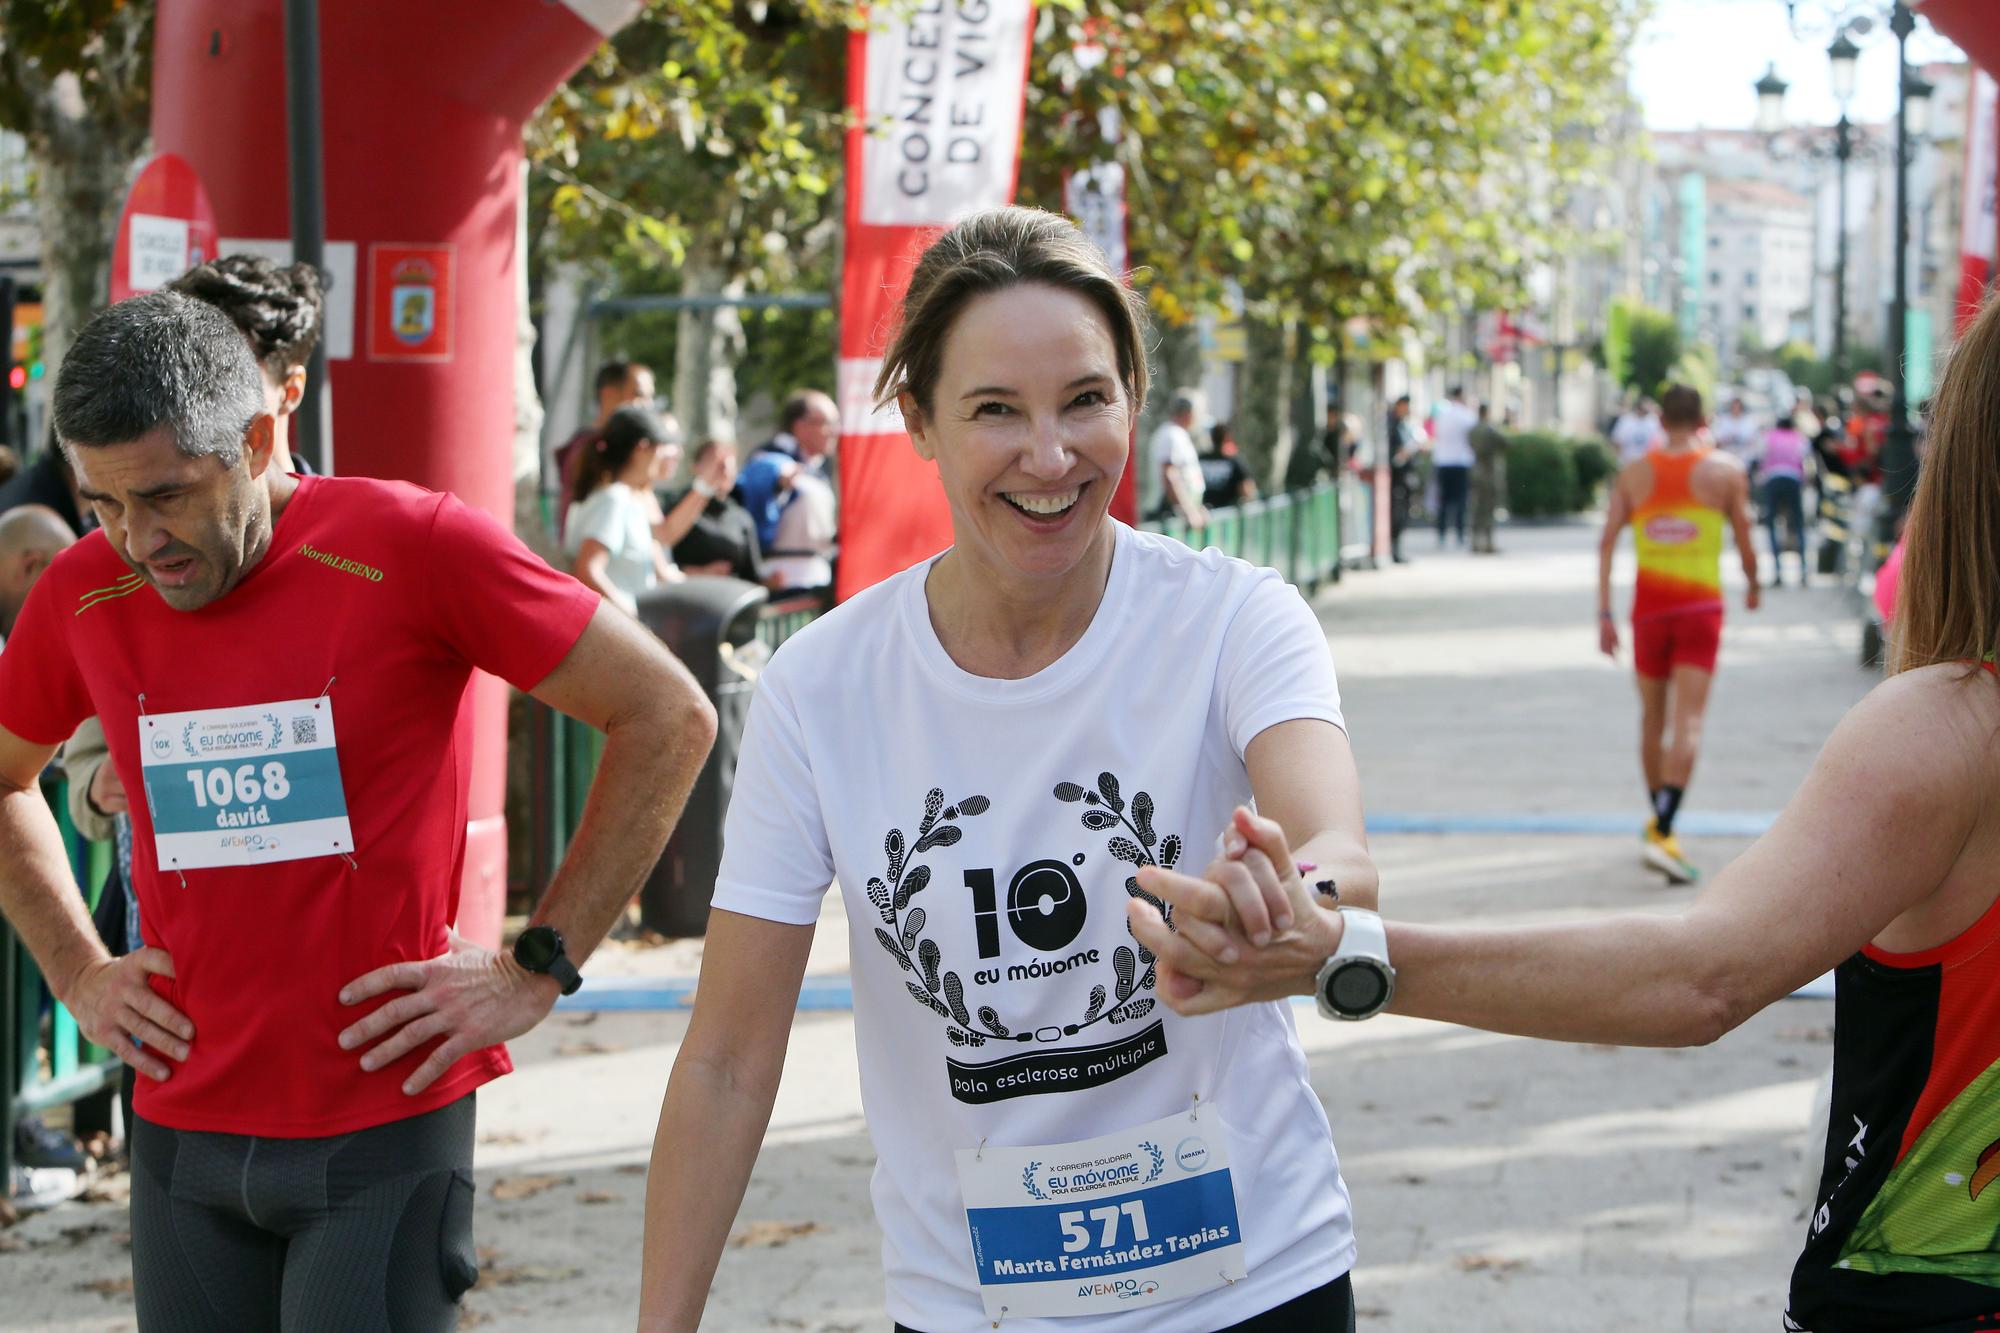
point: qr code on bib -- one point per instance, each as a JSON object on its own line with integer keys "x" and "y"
{"x": 305, "y": 731}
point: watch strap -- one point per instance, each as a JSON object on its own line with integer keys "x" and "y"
{"x": 567, "y": 978}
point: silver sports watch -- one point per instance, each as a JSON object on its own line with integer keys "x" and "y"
{"x": 1357, "y": 982}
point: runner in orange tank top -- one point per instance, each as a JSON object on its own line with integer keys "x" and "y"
{"x": 1676, "y": 499}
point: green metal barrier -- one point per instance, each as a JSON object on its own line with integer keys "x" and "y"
{"x": 1296, "y": 533}
{"x": 75, "y": 1068}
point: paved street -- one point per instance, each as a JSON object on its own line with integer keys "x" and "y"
{"x": 1500, "y": 1185}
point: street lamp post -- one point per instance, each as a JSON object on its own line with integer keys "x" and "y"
{"x": 1912, "y": 119}
{"x": 1899, "y": 454}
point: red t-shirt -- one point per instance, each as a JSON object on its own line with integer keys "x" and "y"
{"x": 385, "y": 597}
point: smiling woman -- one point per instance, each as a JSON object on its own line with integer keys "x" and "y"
{"x": 983, "y": 751}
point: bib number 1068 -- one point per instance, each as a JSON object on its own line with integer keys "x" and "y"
{"x": 246, "y": 784}
{"x": 1076, "y": 1234}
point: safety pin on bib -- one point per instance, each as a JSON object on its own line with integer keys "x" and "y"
{"x": 323, "y": 693}
{"x": 1194, "y": 1112}
{"x": 1002, "y": 1319}
{"x": 979, "y": 1153}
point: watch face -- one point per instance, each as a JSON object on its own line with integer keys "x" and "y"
{"x": 1357, "y": 988}
{"x": 536, "y": 948}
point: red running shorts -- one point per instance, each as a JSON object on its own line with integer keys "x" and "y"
{"x": 1679, "y": 638}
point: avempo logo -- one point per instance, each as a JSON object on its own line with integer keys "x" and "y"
{"x": 1192, "y": 1154}
{"x": 1124, "y": 1288}
{"x": 1671, "y": 530}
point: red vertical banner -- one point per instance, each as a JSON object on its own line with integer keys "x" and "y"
{"x": 937, "y": 96}
{"x": 1979, "y": 230}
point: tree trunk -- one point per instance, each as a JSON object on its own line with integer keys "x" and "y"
{"x": 708, "y": 348}
{"x": 86, "y": 126}
{"x": 1264, "y": 417}
{"x": 83, "y": 162}
{"x": 1174, "y": 363}
{"x": 528, "y": 522}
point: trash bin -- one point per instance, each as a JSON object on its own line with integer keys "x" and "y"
{"x": 703, "y": 621}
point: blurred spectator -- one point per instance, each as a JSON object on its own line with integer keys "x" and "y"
{"x": 30, "y": 537}
{"x": 280, "y": 310}
{"x": 618, "y": 384}
{"x": 48, "y": 481}
{"x": 609, "y": 531}
{"x": 1451, "y": 462}
{"x": 1781, "y": 471}
{"x": 10, "y": 463}
{"x": 1173, "y": 455}
{"x": 723, "y": 539}
{"x": 1489, "y": 451}
{"x": 801, "y": 554}
{"x": 1400, "y": 439}
{"x": 1225, "y": 481}
{"x": 808, "y": 428}
{"x": 1637, "y": 430}
{"x": 1735, "y": 431}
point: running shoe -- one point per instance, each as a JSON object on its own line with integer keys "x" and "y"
{"x": 33, "y": 1188}
{"x": 1663, "y": 853}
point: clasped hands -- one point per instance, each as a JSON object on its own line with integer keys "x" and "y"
{"x": 1246, "y": 931}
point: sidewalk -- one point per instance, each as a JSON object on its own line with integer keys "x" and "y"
{"x": 1501, "y": 1185}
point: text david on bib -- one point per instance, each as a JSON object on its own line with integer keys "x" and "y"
{"x": 244, "y": 786}
{"x": 1027, "y": 929}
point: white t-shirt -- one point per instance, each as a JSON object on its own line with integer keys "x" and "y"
{"x": 864, "y": 732}
{"x": 809, "y": 522}
{"x": 1634, "y": 433}
{"x": 1452, "y": 446}
{"x": 1174, "y": 448}
{"x": 1736, "y": 435}
{"x": 618, "y": 517}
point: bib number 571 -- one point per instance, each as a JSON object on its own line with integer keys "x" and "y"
{"x": 244, "y": 785}
{"x": 1076, "y": 1236}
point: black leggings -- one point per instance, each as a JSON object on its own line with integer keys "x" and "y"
{"x": 1328, "y": 1309}
{"x": 369, "y": 1230}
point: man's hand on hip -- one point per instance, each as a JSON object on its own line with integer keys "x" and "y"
{"x": 471, "y": 997}
{"x": 116, "y": 1007}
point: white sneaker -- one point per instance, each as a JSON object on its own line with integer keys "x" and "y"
{"x": 38, "y": 1187}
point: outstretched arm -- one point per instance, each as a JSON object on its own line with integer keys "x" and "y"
{"x": 1835, "y": 870}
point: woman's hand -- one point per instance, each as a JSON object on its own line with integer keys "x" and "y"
{"x": 1246, "y": 932}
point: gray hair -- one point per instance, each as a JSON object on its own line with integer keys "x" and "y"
{"x": 1184, "y": 400}
{"x": 162, "y": 359}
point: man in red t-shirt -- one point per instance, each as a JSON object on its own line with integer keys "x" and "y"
{"x": 279, "y": 664}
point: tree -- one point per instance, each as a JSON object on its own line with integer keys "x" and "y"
{"x": 697, "y": 153}
{"x": 1652, "y": 349}
{"x": 1393, "y": 161}
{"x": 76, "y": 79}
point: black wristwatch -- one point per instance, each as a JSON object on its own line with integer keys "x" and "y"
{"x": 540, "y": 949}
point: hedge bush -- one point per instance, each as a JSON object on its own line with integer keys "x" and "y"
{"x": 1549, "y": 476}
{"x": 1541, "y": 476}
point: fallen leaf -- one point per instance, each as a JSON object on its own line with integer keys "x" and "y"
{"x": 488, "y": 1255}
{"x": 110, "y": 1288}
{"x": 526, "y": 1273}
{"x": 8, "y": 1214}
{"x": 1488, "y": 1263}
{"x": 599, "y": 1196}
{"x": 79, "y": 1234}
{"x": 506, "y": 1138}
{"x": 510, "y": 1188}
{"x": 471, "y": 1318}
{"x": 583, "y": 1020}
{"x": 570, "y": 1048}
{"x": 632, "y": 1169}
{"x": 767, "y": 1234}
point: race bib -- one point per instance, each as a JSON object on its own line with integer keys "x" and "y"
{"x": 244, "y": 786}
{"x": 1114, "y": 1223}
